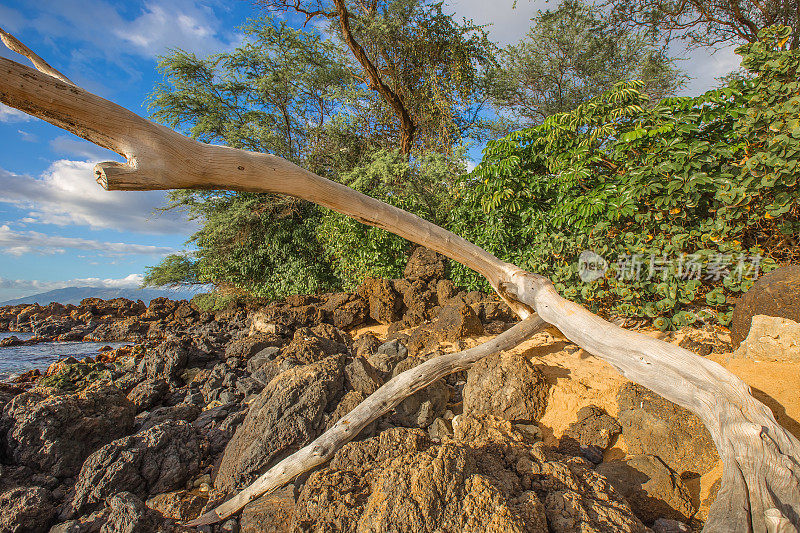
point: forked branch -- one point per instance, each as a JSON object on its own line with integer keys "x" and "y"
{"x": 761, "y": 481}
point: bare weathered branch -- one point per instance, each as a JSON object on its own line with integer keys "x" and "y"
{"x": 761, "y": 481}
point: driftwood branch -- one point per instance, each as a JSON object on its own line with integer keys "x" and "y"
{"x": 377, "y": 404}
{"x": 761, "y": 480}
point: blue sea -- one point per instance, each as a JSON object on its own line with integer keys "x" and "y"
{"x": 15, "y": 360}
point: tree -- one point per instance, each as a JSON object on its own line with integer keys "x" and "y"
{"x": 573, "y": 54}
{"x": 709, "y": 22}
{"x": 426, "y": 69}
{"x": 297, "y": 94}
{"x": 277, "y": 93}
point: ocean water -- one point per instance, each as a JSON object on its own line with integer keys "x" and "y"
{"x": 15, "y": 360}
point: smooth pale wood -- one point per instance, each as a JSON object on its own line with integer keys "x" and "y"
{"x": 761, "y": 474}
{"x": 377, "y": 404}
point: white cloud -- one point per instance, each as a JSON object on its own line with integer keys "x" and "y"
{"x": 27, "y": 242}
{"x": 28, "y": 137}
{"x": 151, "y": 30}
{"x": 509, "y": 26}
{"x": 132, "y": 281}
{"x": 705, "y": 67}
{"x": 67, "y": 193}
{"x": 9, "y": 114}
{"x": 72, "y": 146}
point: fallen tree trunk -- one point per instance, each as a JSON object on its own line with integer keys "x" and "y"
{"x": 761, "y": 460}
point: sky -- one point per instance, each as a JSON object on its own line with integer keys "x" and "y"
{"x": 58, "y": 228}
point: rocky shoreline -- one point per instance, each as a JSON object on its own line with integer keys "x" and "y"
{"x": 147, "y": 436}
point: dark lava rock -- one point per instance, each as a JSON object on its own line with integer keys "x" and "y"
{"x": 401, "y": 481}
{"x": 654, "y": 425}
{"x": 423, "y": 407}
{"x": 506, "y": 385}
{"x": 54, "y": 434}
{"x": 26, "y": 510}
{"x": 360, "y": 376}
{"x": 129, "y": 514}
{"x": 285, "y": 416}
{"x": 775, "y": 294}
{"x": 385, "y": 304}
{"x": 182, "y": 411}
{"x": 456, "y": 322}
{"x": 250, "y": 346}
{"x": 167, "y": 360}
{"x": 387, "y": 356}
{"x": 653, "y": 490}
{"x": 119, "y": 330}
{"x": 148, "y": 393}
{"x": 160, "y": 459}
{"x": 593, "y": 427}
{"x": 425, "y": 265}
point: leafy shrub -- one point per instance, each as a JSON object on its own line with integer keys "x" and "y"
{"x": 421, "y": 185}
{"x": 691, "y": 183}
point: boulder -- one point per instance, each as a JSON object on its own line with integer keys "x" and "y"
{"x": 419, "y": 302}
{"x": 771, "y": 339}
{"x": 271, "y": 513}
{"x": 387, "y": 356}
{"x": 249, "y": 346}
{"x": 457, "y": 322}
{"x": 385, "y": 304}
{"x": 774, "y": 294}
{"x": 182, "y": 411}
{"x": 506, "y": 385}
{"x": 55, "y": 434}
{"x": 445, "y": 290}
{"x": 591, "y": 434}
{"x": 167, "y": 360}
{"x": 654, "y": 425}
{"x": 425, "y": 265}
{"x": 360, "y": 376}
{"x": 366, "y": 345}
{"x": 286, "y": 415}
{"x": 148, "y": 393}
{"x": 653, "y": 490}
{"x": 126, "y": 513}
{"x": 421, "y": 408}
{"x": 119, "y": 330}
{"x": 160, "y": 459}
{"x": 26, "y": 510}
{"x": 309, "y": 345}
{"x": 76, "y": 376}
{"x": 401, "y": 481}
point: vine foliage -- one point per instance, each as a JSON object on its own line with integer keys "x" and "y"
{"x": 687, "y": 200}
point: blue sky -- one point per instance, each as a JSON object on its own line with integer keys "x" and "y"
{"x": 58, "y": 228}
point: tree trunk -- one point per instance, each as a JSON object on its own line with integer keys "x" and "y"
{"x": 761, "y": 481}
{"x": 407, "y": 126}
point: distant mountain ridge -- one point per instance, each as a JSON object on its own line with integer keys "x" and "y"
{"x": 74, "y": 295}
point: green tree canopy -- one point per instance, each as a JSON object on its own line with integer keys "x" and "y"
{"x": 688, "y": 200}
{"x": 421, "y": 72}
{"x": 299, "y": 95}
{"x": 573, "y": 54}
{"x": 708, "y": 22}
